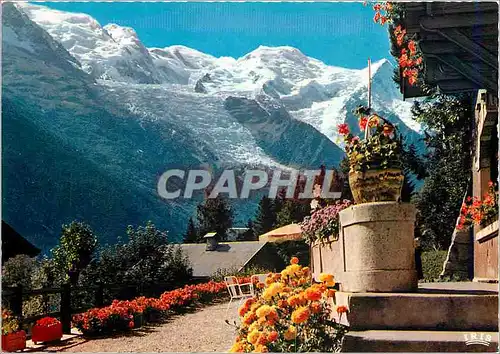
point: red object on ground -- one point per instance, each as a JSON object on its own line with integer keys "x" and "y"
{"x": 46, "y": 333}
{"x": 14, "y": 341}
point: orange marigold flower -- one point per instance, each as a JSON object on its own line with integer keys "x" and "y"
{"x": 342, "y": 309}
{"x": 383, "y": 20}
{"x": 313, "y": 294}
{"x": 325, "y": 277}
{"x": 315, "y": 307}
{"x": 290, "y": 333}
{"x": 262, "y": 339}
{"x": 273, "y": 336}
{"x": 331, "y": 292}
{"x": 300, "y": 315}
{"x": 377, "y": 16}
{"x": 294, "y": 260}
{"x": 261, "y": 349}
{"x": 242, "y": 310}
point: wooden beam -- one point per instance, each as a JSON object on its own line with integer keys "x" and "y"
{"x": 448, "y": 8}
{"x": 459, "y": 20}
{"x": 438, "y": 47}
{"x": 455, "y": 36}
{"x": 467, "y": 71}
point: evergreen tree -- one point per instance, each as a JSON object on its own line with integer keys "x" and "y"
{"x": 249, "y": 235}
{"x": 191, "y": 235}
{"x": 214, "y": 215}
{"x": 265, "y": 219}
{"x": 293, "y": 211}
{"x": 448, "y": 165}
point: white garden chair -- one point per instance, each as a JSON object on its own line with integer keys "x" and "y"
{"x": 237, "y": 291}
{"x": 255, "y": 279}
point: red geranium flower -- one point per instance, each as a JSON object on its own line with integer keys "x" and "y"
{"x": 343, "y": 129}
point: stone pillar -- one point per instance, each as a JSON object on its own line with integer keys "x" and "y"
{"x": 378, "y": 247}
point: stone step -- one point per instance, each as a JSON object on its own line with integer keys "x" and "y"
{"x": 436, "y": 306}
{"x": 419, "y": 341}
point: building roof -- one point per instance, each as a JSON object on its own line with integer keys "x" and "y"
{"x": 13, "y": 244}
{"x": 459, "y": 43}
{"x": 284, "y": 233}
{"x": 228, "y": 255}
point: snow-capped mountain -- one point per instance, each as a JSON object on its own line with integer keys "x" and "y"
{"x": 95, "y": 94}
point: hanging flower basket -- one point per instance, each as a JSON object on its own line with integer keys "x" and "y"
{"x": 14, "y": 341}
{"x": 48, "y": 329}
{"x": 375, "y": 171}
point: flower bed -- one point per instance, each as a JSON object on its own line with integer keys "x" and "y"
{"x": 121, "y": 316}
{"x": 291, "y": 315}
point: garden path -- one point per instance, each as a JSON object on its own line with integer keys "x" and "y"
{"x": 201, "y": 331}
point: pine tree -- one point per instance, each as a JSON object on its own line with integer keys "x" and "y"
{"x": 249, "y": 235}
{"x": 214, "y": 215}
{"x": 191, "y": 235}
{"x": 265, "y": 219}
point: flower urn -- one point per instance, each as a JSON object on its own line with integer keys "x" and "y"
{"x": 14, "y": 341}
{"x": 49, "y": 332}
{"x": 376, "y": 185}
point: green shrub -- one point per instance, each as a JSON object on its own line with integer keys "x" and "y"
{"x": 432, "y": 264}
{"x": 288, "y": 249}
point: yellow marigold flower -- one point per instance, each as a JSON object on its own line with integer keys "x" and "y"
{"x": 269, "y": 280}
{"x": 290, "y": 333}
{"x": 236, "y": 348}
{"x": 273, "y": 290}
{"x": 300, "y": 315}
{"x": 294, "y": 269}
{"x": 254, "y": 307}
{"x": 253, "y": 327}
{"x": 325, "y": 277}
{"x": 261, "y": 321}
{"x": 263, "y": 311}
{"x": 261, "y": 349}
{"x": 305, "y": 270}
{"x": 330, "y": 284}
{"x": 253, "y": 336}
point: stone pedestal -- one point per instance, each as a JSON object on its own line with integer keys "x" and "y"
{"x": 377, "y": 247}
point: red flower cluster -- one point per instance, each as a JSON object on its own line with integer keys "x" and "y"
{"x": 409, "y": 59}
{"x": 475, "y": 211}
{"x": 123, "y": 315}
{"x": 47, "y": 322}
{"x": 379, "y": 16}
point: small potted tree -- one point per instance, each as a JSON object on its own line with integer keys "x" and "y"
{"x": 13, "y": 338}
{"x": 47, "y": 329}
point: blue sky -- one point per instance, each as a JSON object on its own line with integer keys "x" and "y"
{"x": 341, "y": 34}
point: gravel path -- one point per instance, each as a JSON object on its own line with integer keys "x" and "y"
{"x": 200, "y": 331}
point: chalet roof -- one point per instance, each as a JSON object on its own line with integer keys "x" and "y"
{"x": 230, "y": 255}
{"x": 459, "y": 42}
{"x": 14, "y": 244}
